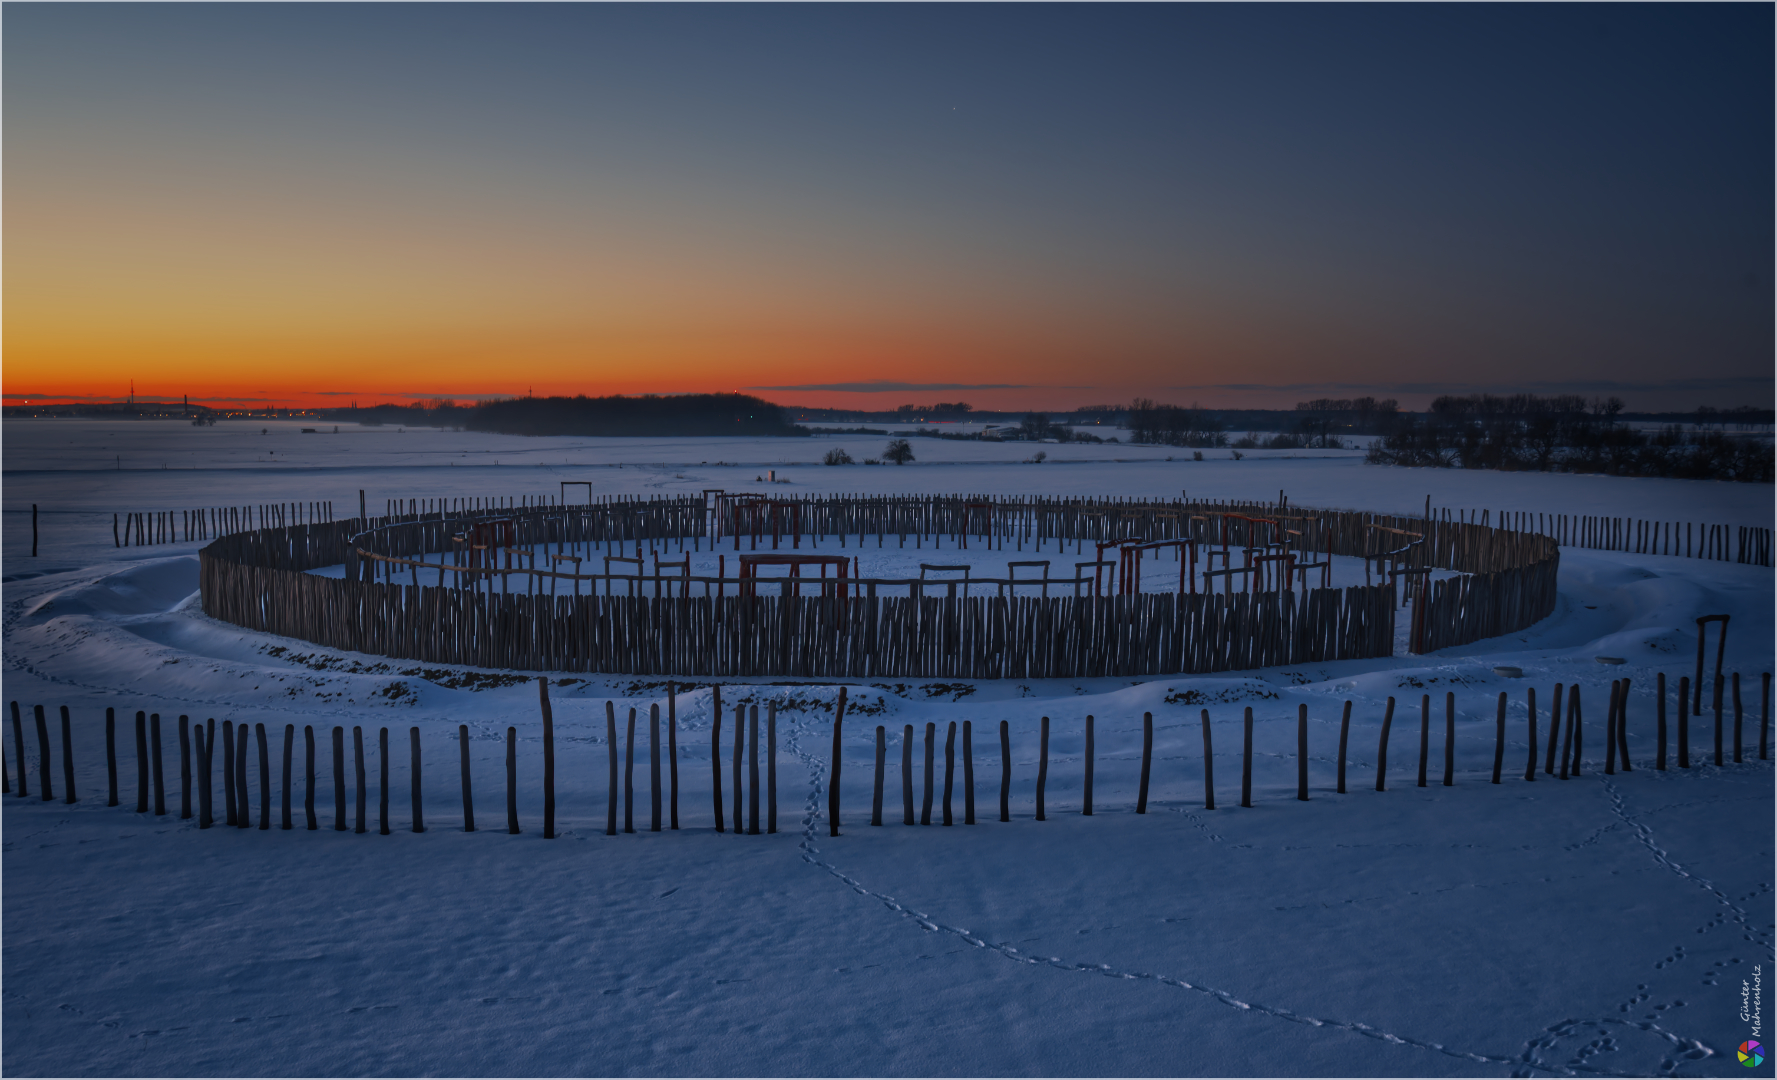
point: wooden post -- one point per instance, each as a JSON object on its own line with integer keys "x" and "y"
{"x": 1716, "y": 698}
{"x": 1147, "y": 761}
{"x": 1555, "y": 724}
{"x": 968, "y": 776}
{"x": 43, "y": 756}
{"x": 185, "y": 758}
{"x": 289, "y": 753}
{"x": 18, "y": 747}
{"x": 308, "y": 796}
{"x": 1737, "y": 730}
{"x": 715, "y": 756}
{"x": 1499, "y": 738}
{"x": 881, "y": 763}
{"x": 413, "y": 750}
{"x": 949, "y": 769}
{"x": 203, "y": 766}
{"x": 1209, "y": 767}
{"x": 339, "y": 778}
{"x": 382, "y": 801}
{"x": 358, "y": 790}
{"x": 1344, "y": 737}
{"x": 264, "y": 776}
{"x": 629, "y": 775}
{"x": 549, "y": 762}
{"x": 110, "y": 752}
{"x": 1684, "y": 721}
{"x": 740, "y": 739}
{"x": 1449, "y": 739}
{"x": 833, "y": 789}
{"x": 468, "y": 788}
{"x": 141, "y": 765}
{"x": 611, "y": 784}
{"x": 1005, "y": 772}
{"x": 753, "y": 771}
{"x": 1623, "y": 728}
{"x": 907, "y": 774}
{"x": 1567, "y": 734}
{"x": 1382, "y": 747}
{"x": 1424, "y": 735}
{"x": 925, "y": 806}
{"x": 512, "y": 828}
{"x": 1042, "y": 766}
{"x": 185, "y": 764}
{"x": 672, "y": 757}
{"x": 1246, "y": 762}
{"x": 771, "y": 767}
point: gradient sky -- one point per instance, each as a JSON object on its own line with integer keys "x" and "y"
{"x": 862, "y": 206}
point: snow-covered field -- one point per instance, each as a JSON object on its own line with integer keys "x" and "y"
{"x": 1601, "y": 925}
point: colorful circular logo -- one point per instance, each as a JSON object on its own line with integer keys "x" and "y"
{"x": 1752, "y": 1055}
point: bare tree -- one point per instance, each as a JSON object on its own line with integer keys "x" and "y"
{"x": 898, "y": 452}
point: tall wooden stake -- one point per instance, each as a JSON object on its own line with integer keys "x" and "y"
{"x": 881, "y": 763}
{"x": 907, "y": 774}
{"x": 185, "y": 759}
{"x": 968, "y": 776}
{"x": 672, "y": 754}
{"x": 549, "y": 763}
{"x": 285, "y": 821}
{"x": 308, "y": 798}
{"x": 1499, "y": 739}
{"x": 1344, "y": 738}
{"x": 382, "y": 801}
{"x": 833, "y": 788}
{"x": 264, "y": 776}
{"x": 1005, "y": 772}
{"x": 512, "y": 780}
{"x": 1209, "y": 767}
{"x": 1424, "y": 735}
{"x": 468, "y": 788}
{"x": 1147, "y": 761}
{"x": 1246, "y": 762}
{"x": 110, "y": 751}
{"x": 1382, "y": 747}
{"x": 715, "y": 753}
{"x": 339, "y": 777}
{"x": 629, "y": 777}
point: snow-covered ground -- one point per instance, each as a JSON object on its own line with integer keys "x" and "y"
{"x": 1601, "y": 925}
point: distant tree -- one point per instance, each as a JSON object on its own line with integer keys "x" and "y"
{"x": 898, "y": 451}
{"x": 836, "y": 456}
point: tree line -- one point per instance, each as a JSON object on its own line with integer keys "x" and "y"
{"x": 1565, "y": 433}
